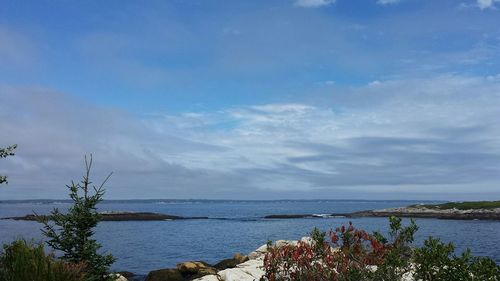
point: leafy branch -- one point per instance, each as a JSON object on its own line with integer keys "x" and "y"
{"x": 5, "y": 152}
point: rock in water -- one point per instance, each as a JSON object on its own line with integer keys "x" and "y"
{"x": 231, "y": 263}
{"x": 165, "y": 275}
{"x": 195, "y": 269}
{"x": 227, "y": 263}
{"x": 191, "y": 267}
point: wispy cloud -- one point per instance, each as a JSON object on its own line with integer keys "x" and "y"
{"x": 485, "y": 4}
{"x": 400, "y": 136}
{"x": 387, "y": 2}
{"x": 314, "y": 3}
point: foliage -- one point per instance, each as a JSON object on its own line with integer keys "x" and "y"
{"x": 72, "y": 232}
{"x": 398, "y": 253}
{"x": 25, "y": 261}
{"x": 436, "y": 261}
{"x": 350, "y": 254}
{"x": 5, "y": 152}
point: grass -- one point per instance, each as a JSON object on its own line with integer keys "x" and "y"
{"x": 25, "y": 261}
{"x": 462, "y": 205}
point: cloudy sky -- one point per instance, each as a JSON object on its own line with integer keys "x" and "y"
{"x": 361, "y": 99}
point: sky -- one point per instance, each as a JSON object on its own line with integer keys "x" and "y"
{"x": 282, "y": 99}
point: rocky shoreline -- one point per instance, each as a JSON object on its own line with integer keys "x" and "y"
{"x": 420, "y": 212}
{"x": 408, "y": 212}
{"x": 239, "y": 268}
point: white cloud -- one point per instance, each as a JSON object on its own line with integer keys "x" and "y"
{"x": 280, "y": 108}
{"x": 314, "y": 3}
{"x": 486, "y": 4}
{"x": 328, "y": 83}
{"x": 387, "y": 2}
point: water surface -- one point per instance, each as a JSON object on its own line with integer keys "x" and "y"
{"x": 235, "y": 226}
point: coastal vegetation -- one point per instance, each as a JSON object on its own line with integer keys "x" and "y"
{"x": 68, "y": 233}
{"x": 71, "y": 233}
{"x": 22, "y": 260}
{"x": 470, "y": 205}
{"x": 348, "y": 254}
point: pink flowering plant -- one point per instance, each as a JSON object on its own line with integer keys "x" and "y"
{"x": 351, "y": 254}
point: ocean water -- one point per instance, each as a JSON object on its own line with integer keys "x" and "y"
{"x": 234, "y": 226}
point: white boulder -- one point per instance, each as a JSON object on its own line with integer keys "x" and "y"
{"x": 236, "y": 274}
{"x": 119, "y": 277}
{"x": 209, "y": 278}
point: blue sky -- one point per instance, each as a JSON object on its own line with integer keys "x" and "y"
{"x": 253, "y": 99}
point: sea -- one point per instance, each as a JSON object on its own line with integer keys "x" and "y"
{"x": 233, "y": 226}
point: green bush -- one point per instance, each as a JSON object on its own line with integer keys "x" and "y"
{"x": 437, "y": 261}
{"x": 23, "y": 261}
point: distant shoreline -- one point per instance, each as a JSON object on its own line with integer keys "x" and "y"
{"x": 478, "y": 210}
{"x": 116, "y": 216}
{"x": 412, "y": 211}
{"x": 51, "y": 201}
{"x": 376, "y": 213}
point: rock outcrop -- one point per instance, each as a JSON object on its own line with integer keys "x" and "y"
{"x": 250, "y": 268}
{"x": 422, "y": 212}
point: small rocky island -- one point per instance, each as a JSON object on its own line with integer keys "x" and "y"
{"x": 481, "y": 210}
{"x": 119, "y": 216}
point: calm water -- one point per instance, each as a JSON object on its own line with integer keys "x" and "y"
{"x": 235, "y": 226}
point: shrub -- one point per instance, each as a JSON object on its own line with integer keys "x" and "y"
{"x": 350, "y": 254}
{"x": 71, "y": 233}
{"x": 437, "y": 261}
{"x": 28, "y": 262}
{"x": 396, "y": 258}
